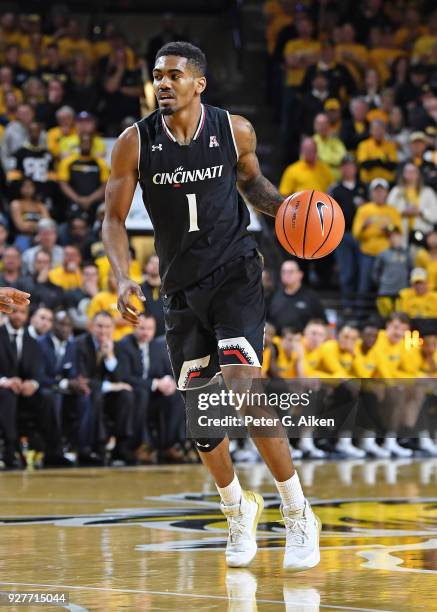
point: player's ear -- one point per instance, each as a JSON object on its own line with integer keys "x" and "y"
{"x": 201, "y": 84}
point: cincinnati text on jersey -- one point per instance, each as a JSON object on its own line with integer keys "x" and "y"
{"x": 187, "y": 176}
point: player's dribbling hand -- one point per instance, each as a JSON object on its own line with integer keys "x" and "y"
{"x": 126, "y": 289}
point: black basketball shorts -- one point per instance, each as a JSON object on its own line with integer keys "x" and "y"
{"x": 217, "y": 322}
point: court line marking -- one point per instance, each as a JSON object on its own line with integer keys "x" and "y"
{"x": 178, "y": 594}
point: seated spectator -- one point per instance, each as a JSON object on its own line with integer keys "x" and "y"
{"x": 68, "y": 275}
{"x": 410, "y": 29}
{"x": 83, "y": 180}
{"x": 340, "y": 81}
{"x": 65, "y": 127}
{"x": 416, "y": 203}
{"x": 427, "y": 258}
{"x": 376, "y": 155}
{"x": 372, "y": 87}
{"x": 350, "y": 193}
{"x": 26, "y": 211}
{"x": 72, "y": 43}
{"x": 76, "y": 231}
{"x": 35, "y": 162}
{"x": 151, "y": 288}
{"x": 417, "y": 301}
{"x": 107, "y": 301}
{"x": 20, "y": 371}
{"x": 355, "y": 129}
{"x": 146, "y": 367}
{"x": 62, "y": 387}
{"x": 426, "y": 355}
{"x": 45, "y": 241}
{"x": 41, "y": 322}
{"x": 382, "y": 52}
{"x": 123, "y": 89}
{"x": 311, "y": 105}
{"x": 83, "y": 91}
{"x": 16, "y": 135}
{"x": 370, "y": 229}
{"x": 420, "y": 157}
{"x": 293, "y": 305}
{"x": 307, "y": 173}
{"x": 52, "y": 69}
{"x": 12, "y": 60}
{"x": 352, "y": 54}
{"x": 46, "y": 110}
{"x": 332, "y": 108}
{"x": 78, "y": 300}
{"x": 330, "y": 150}
{"x": 399, "y": 133}
{"x": 85, "y": 124}
{"x": 6, "y": 85}
{"x": 424, "y": 44}
{"x": 43, "y": 290}
{"x": 34, "y": 92}
{"x": 110, "y": 396}
{"x": 301, "y": 52}
{"x": 287, "y": 358}
{"x": 391, "y": 272}
{"x": 11, "y": 104}
{"x": 12, "y": 274}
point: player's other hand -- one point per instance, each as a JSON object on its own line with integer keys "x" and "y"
{"x": 126, "y": 289}
{"x": 10, "y": 297}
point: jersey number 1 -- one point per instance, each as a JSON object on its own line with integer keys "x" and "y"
{"x": 192, "y": 209}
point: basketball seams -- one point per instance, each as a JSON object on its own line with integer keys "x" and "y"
{"x": 283, "y": 226}
{"x": 332, "y": 225}
{"x": 306, "y": 223}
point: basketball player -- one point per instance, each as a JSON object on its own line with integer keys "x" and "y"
{"x": 10, "y": 297}
{"x": 192, "y": 160}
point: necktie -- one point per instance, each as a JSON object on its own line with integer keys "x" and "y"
{"x": 14, "y": 346}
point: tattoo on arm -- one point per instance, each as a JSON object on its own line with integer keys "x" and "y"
{"x": 256, "y": 189}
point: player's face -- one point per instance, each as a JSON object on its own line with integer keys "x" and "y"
{"x": 396, "y": 331}
{"x": 175, "y": 84}
{"x": 347, "y": 339}
{"x": 369, "y": 336}
{"x": 315, "y": 335}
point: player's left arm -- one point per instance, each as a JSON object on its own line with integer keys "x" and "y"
{"x": 255, "y": 188}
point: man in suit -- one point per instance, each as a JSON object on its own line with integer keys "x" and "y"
{"x": 63, "y": 389}
{"x": 110, "y": 395}
{"x": 20, "y": 373}
{"x": 146, "y": 367}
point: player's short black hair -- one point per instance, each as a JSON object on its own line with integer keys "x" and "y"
{"x": 194, "y": 55}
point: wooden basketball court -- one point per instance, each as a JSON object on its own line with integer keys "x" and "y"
{"x": 153, "y": 539}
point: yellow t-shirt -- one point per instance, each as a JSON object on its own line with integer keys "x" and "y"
{"x": 300, "y": 176}
{"x": 69, "y": 145}
{"x": 417, "y": 305}
{"x": 381, "y": 59}
{"x": 105, "y": 300}
{"x": 366, "y": 364}
{"x": 424, "y": 260}
{"x": 104, "y": 267}
{"x": 370, "y": 150}
{"x": 66, "y": 280}
{"x": 54, "y": 136}
{"x": 334, "y": 361}
{"x": 69, "y": 48}
{"x": 396, "y": 362}
{"x": 331, "y": 151}
{"x": 373, "y": 239}
{"x": 306, "y": 48}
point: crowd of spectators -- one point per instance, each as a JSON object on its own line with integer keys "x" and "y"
{"x": 80, "y": 386}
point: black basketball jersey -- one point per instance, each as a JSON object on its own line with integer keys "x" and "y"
{"x": 190, "y": 192}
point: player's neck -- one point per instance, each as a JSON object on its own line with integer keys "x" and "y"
{"x": 184, "y": 123}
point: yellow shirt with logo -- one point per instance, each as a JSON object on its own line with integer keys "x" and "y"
{"x": 70, "y": 145}
{"x": 305, "y": 48}
{"x": 372, "y": 238}
{"x": 422, "y": 306}
{"x": 106, "y": 300}
{"x": 369, "y": 150}
{"x": 67, "y": 280}
{"x": 300, "y": 176}
{"x": 54, "y": 136}
{"x": 396, "y": 362}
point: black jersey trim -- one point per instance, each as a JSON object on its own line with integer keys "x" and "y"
{"x": 233, "y": 135}
{"x": 198, "y": 129}
{"x": 139, "y": 148}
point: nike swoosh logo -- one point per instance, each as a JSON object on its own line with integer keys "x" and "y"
{"x": 320, "y": 207}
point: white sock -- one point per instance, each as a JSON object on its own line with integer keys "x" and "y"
{"x": 291, "y": 492}
{"x": 231, "y": 495}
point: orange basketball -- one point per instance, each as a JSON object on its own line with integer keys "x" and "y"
{"x": 309, "y": 224}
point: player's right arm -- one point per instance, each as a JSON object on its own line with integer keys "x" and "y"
{"x": 118, "y": 199}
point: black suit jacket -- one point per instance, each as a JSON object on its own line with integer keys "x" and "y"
{"x": 88, "y": 367}
{"x": 29, "y": 366}
{"x": 131, "y": 363}
{"x": 54, "y": 372}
